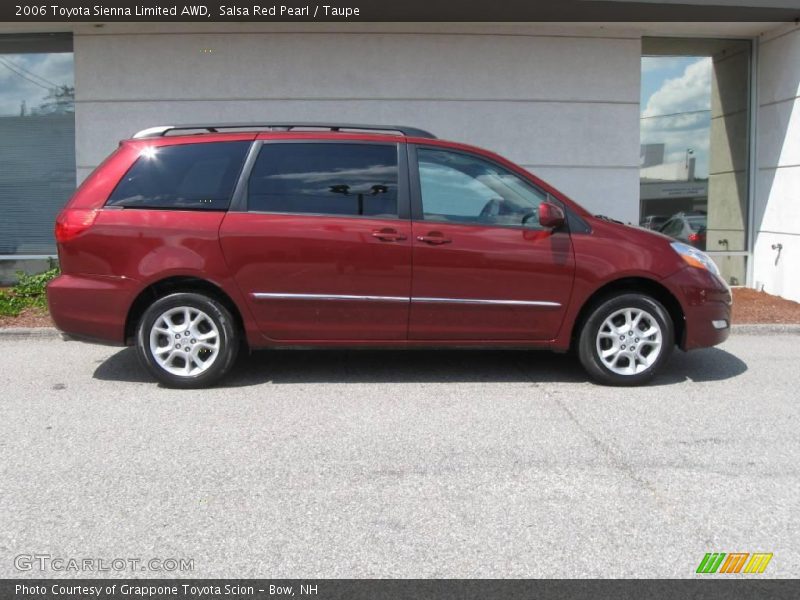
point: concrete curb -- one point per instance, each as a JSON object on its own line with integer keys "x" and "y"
{"x": 744, "y": 329}
{"x": 766, "y": 328}
{"x": 29, "y": 332}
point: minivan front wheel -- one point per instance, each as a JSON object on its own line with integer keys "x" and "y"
{"x": 626, "y": 339}
{"x": 187, "y": 340}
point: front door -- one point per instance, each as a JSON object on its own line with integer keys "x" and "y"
{"x": 323, "y": 250}
{"x": 484, "y": 269}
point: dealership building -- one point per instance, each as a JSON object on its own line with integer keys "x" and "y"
{"x": 565, "y": 100}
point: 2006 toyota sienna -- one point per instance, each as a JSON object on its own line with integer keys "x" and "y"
{"x": 194, "y": 241}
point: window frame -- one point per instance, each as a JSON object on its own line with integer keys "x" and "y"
{"x": 239, "y": 200}
{"x": 418, "y": 214}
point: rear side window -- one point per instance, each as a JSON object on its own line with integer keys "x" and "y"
{"x": 697, "y": 223}
{"x": 325, "y": 178}
{"x": 185, "y": 176}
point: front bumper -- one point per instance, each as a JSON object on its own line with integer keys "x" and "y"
{"x": 706, "y": 302}
{"x": 92, "y": 307}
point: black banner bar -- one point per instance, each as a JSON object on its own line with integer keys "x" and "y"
{"x": 388, "y": 10}
{"x": 706, "y": 588}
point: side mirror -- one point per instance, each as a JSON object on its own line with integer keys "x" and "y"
{"x": 551, "y": 216}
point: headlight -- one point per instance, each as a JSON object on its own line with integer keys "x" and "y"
{"x": 695, "y": 258}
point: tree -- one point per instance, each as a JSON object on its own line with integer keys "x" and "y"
{"x": 59, "y": 101}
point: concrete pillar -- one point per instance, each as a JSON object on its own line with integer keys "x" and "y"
{"x": 728, "y": 183}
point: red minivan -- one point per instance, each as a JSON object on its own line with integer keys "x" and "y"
{"x": 194, "y": 241}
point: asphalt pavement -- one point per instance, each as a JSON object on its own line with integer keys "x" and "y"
{"x": 310, "y": 464}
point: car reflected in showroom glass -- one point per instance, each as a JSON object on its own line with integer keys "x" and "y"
{"x": 196, "y": 242}
{"x": 689, "y": 228}
{"x": 653, "y": 222}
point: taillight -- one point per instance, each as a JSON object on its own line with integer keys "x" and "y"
{"x": 695, "y": 237}
{"x": 72, "y": 222}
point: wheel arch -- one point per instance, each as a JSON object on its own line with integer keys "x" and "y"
{"x": 643, "y": 285}
{"x": 171, "y": 285}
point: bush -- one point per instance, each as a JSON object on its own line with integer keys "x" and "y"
{"x": 10, "y": 305}
{"x": 28, "y": 293}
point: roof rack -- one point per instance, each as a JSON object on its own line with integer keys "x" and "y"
{"x": 163, "y": 130}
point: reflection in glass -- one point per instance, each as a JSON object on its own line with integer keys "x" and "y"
{"x": 346, "y": 179}
{"x": 183, "y": 176}
{"x": 460, "y": 188}
{"x": 694, "y": 144}
{"x": 37, "y": 144}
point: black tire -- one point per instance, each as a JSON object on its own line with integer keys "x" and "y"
{"x": 224, "y": 338}
{"x": 590, "y": 343}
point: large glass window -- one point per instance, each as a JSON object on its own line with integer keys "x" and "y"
{"x": 695, "y": 143}
{"x": 37, "y": 139}
{"x": 184, "y": 176}
{"x": 460, "y": 188}
{"x": 325, "y": 178}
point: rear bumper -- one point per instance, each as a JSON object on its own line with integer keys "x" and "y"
{"x": 706, "y": 301}
{"x": 91, "y": 307}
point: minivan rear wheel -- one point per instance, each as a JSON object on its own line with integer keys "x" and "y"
{"x": 187, "y": 340}
{"x": 626, "y": 339}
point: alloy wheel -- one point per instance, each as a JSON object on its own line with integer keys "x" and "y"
{"x": 184, "y": 341}
{"x": 629, "y": 341}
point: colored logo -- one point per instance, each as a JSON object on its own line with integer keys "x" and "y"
{"x": 737, "y": 562}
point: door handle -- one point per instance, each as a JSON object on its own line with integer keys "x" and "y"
{"x": 435, "y": 238}
{"x": 388, "y": 235}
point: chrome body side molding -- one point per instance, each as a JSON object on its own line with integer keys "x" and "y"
{"x": 423, "y": 300}
{"x": 480, "y": 301}
{"x": 274, "y": 296}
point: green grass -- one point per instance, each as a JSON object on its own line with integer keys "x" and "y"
{"x": 28, "y": 293}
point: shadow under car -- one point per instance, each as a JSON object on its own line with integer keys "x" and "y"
{"x": 282, "y": 367}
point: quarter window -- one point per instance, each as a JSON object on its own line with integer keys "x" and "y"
{"x": 323, "y": 178}
{"x": 460, "y": 188}
{"x": 184, "y": 176}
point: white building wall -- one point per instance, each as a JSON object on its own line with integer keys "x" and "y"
{"x": 777, "y": 197}
{"x": 564, "y": 105}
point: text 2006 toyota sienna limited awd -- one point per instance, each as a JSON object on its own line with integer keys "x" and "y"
{"x": 193, "y": 242}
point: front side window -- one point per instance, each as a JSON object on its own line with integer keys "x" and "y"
{"x": 184, "y": 176}
{"x": 460, "y": 188}
{"x": 325, "y": 178}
